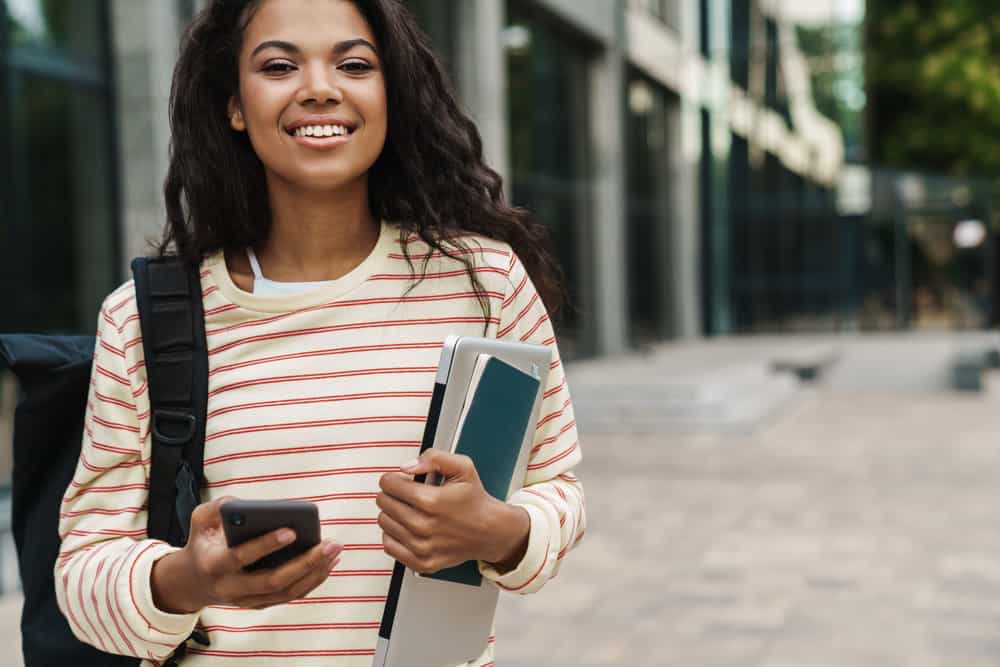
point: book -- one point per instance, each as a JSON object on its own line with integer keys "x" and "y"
{"x": 491, "y": 430}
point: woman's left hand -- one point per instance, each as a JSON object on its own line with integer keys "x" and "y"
{"x": 429, "y": 528}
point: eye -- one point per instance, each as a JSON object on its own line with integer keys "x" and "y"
{"x": 356, "y": 67}
{"x": 278, "y": 68}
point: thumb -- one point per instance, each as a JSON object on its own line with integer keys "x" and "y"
{"x": 451, "y": 466}
{"x": 209, "y": 515}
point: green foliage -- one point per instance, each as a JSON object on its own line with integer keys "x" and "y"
{"x": 933, "y": 76}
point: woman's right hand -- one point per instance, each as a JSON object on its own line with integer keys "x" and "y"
{"x": 207, "y": 571}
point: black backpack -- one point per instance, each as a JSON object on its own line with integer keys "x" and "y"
{"x": 53, "y": 374}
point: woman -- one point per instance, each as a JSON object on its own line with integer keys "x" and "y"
{"x": 337, "y": 201}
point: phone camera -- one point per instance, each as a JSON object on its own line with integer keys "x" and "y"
{"x": 237, "y": 519}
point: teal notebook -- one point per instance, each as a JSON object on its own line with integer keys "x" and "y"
{"x": 491, "y": 434}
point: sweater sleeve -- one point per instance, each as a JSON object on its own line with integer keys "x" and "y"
{"x": 102, "y": 574}
{"x": 552, "y": 495}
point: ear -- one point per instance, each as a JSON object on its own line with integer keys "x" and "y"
{"x": 235, "y": 115}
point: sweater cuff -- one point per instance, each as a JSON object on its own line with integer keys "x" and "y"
{"x": 535, "y": 558}
{"x": 160, "y": 626}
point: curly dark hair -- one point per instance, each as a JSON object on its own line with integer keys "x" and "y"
{"x": 433, "y": 182}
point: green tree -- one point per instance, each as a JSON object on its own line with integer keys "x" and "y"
{"x": 933, "y": 78}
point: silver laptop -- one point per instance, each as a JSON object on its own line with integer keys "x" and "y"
{"x": 429, "y": 622}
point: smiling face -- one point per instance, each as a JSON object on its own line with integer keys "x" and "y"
{"x": 311, "y": 95}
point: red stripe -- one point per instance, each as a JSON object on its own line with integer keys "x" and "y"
{"x": 338, "y": 496}
{"x": 110, "y": 598}
{"x": 360, "y": 573}
{"x": 115, "y": 425}
{"x": 552, "y": 438}
{"x": 103, "y": 398}
{"x": 348, "y": 522}
{"x": 129, "y": 299}
{"x": 102, "y": 469}
{"x": 440, "y": 274}
{"x": 363, "y": 547}
{"x": 320, "y": 399}
{"x": 113, "y": 350}
{"x": 108, "y": 374}
{"x": 300, "y": 475}
{"x": 220, "y": 309}
{"x": 533, "y": 577}
{"x": 106, "y": 532}
{"x": 437, "y": 254}
{"x": 131, "y": 591}
{"x": 292, "y": 627}
{"x": 388, "y": 324}
{"x": 322, "y": 353}
{"x": 115, "y": 450}
{"x": 555, "y": 390}
{"x": 101, "y": 512}
{"x": 553, "y": 415}
{"x": 341, "y": 599}
{"x": 517, "y": 320}
{"x": 541, "y": 320}
{"x": 558, "y": 457}
{"x": 291, "y": 426}
{"x": 322, "y": 376}
{"x": 282, "y": 654}
{"x": 412, "y": 298}
{"x": 98, "y": 638}
{"x": 103, "y": 489}
{"x": 509, "y": 300}
{"x": 311, "y": 449}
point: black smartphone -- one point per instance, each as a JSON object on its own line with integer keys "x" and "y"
{"x": 244, "y": 520}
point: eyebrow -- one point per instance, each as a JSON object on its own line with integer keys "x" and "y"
{"x": 338, "y": 48}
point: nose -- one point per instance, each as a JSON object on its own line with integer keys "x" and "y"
{"x": 319, "y": 86}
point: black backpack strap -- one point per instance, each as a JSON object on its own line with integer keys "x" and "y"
{"x": 168, "y": 295}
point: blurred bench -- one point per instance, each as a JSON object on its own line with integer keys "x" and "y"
{"x": 807, "y": 363}
{"x": 968, "y": 367}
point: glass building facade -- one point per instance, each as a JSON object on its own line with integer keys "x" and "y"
{"x": 59, "y": 237}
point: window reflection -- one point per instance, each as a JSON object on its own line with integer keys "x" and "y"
{"x": 547, "y": 102}
{"x": 58, "y": 244}
{"x": 72, "y": 27}
{"x": 648, "y": 186}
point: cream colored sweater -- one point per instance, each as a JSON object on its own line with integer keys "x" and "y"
{"x": 312, "y": 397}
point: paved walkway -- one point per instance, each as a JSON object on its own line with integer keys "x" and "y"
{"x": 856, "y": 530}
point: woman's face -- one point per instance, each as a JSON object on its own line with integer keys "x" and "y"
{"x": 311, "y": 95}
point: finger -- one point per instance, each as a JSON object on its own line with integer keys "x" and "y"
{"x": 208, "y": 515}
{"x": 451, "y": 466}
{"x": 294, "y": 592}
{"x": 402, "y": 535}
{"x": 414, "y": 520}
{"x": 316, "y": 559}
{"x": 251, "y": 551}
{"x": 396, "y": 549}
{"x": 404, "y": 489}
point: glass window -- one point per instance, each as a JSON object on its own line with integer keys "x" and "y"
{"x": 58, "y": 238}
{"x": 547, "y": 111}
{"x": 648, "y": 186}
{"x": 72, "y": 28}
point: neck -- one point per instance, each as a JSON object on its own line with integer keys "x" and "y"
{"x": 317, "y": 235}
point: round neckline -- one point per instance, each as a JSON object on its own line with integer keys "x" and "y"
{"x": 324, "y": 291}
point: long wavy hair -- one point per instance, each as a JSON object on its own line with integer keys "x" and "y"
{"x": 430, "y": 178}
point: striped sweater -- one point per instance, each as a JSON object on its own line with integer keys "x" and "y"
{"x": 311, "y": 397}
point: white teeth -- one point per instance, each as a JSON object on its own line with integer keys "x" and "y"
{"x": 320, "y": 130}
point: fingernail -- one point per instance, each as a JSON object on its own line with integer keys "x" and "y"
{"x": 331, "y": 548}
{"x": 410, "y": 465}
{"x": 286, "y": 536}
